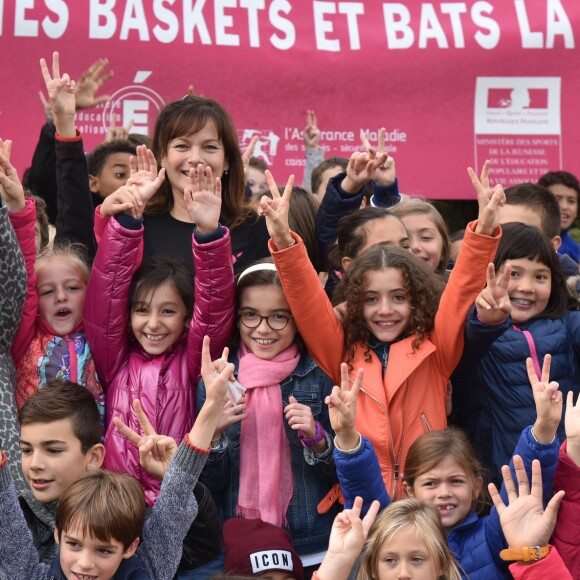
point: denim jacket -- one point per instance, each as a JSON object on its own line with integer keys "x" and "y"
{"x": 314, "y": 475}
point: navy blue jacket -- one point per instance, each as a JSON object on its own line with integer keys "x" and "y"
{"x": 492, "y": 393}
{"x": 314, "y": 475}
{"x": 337, "y": 204}
{"x": 476, "y": 542}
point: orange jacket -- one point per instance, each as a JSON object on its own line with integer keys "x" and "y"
{"x": 393, "y": 410}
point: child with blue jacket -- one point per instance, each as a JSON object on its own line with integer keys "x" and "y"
{"x": 442, "y": 468}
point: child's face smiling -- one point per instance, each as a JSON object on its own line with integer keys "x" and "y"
{"x": 387, "y": 306}
{"x": 262, "y": 340}
{"x": 61, "y": 289}
{"x": 84, "y": 557}
{"x": 529, "y": 288}
{"x": 447, "y": 486}
{"x": 158, "y": 320}
{"x": 426, "y": 241}
{"x": 52, "y": 458}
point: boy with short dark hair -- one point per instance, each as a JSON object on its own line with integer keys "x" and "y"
{"x": 60, "y": 439}
{"x": 109, "y": 169}
{"x": 100, "y": 527}
{"x": 565, "y": 188}
{"x": 534, "y": 205}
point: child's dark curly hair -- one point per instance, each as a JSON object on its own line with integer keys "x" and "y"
{"x": 423, "y": 286}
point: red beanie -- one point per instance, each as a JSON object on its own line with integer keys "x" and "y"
{"x": 254, "y": 547}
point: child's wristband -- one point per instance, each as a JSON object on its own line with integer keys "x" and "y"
{"x": 527, "y": 554}
{"x": 316, "y": 438}
{"x": 194, "y": 448}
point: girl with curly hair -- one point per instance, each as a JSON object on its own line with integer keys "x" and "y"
{"x": 395, "y": 328}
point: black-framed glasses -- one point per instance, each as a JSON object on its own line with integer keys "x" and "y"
{"x": 274, "y": 321}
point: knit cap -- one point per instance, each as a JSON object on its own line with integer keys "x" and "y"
{"x": 254, "y": 547}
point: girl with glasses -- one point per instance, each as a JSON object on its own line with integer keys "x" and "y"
{"x": 271, "y": 456}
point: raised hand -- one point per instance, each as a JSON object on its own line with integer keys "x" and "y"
{"x": 385, "y": 174}
{"x": 342, "y": 408}
{"x": 489, "y": 200}
{"x": 89, "y": 84}
{"x": 361, "y": 169}
{"x": 524, "y": 521}
{"x": 572, "y": 425}
{"x": 276, "y": 212}
{"x": 10, "y": 187}
{"x": 247, "y": 155}
{"x": 493, "y": 302}
{"x": 215, "y": 374}
{"x": 311, "y": 133}
{"x": 548, "y": 399}
{"x": 46, "y": 108}
{"x": 144, "y": 176}
{"x": 126, "y": 199}
{"x": 155, "y": 451}
{"x": 203, "y": 199}
{"x": 114, "y": 132}
{"x": 61, "y": 96}
{"x": 347, "y": 539}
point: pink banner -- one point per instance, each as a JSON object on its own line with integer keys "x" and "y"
{"x": 453, "y": 83}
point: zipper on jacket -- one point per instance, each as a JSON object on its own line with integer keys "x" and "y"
{"x": 425, "y": 422}
{"x": 73, "y": 363}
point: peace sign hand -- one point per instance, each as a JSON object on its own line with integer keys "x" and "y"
{"x": 385, "y": 174}
{"x": 204, "y": 199}
{"x": 311, "y": 133}
{"x": 155, "y": 451}
{"x": 276, "y": 212}
{"x": 361, "y": 169}
{"x": 10, "y": 187}
{"x": 61, "y": 89}
{"x": 493, "y": 302}
{"x": 489, "y": 200}
{"x": 548, "y": 399}
{"x": 342, "y": 408}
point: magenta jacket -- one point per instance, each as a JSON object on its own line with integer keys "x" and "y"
{"x": 165, "y": 384}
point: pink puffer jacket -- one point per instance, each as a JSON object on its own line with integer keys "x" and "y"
{"x": 165, "y": 384}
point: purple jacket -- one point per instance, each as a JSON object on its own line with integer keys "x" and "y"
{"x": 165, "y": 384}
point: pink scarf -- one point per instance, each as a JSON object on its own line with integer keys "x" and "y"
{"x": 266, "y": 481}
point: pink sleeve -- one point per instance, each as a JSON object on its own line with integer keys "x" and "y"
{"x": 23, "y": 223}
{"x": 99, "y": 228}
{"x": 214, "y": 307}
{"x": 552, "y": 566}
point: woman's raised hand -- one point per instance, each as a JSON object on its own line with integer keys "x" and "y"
{"x": 276, "y": 211}
{"x": 489, "y": 200}
{"x": 204, "y": 199}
